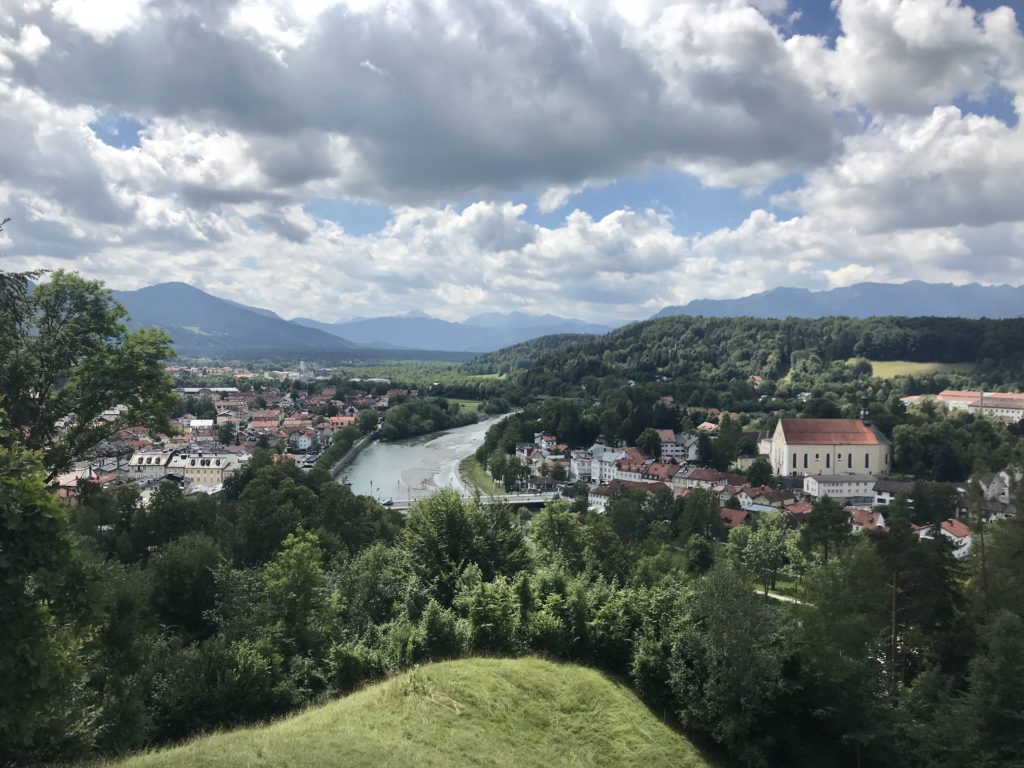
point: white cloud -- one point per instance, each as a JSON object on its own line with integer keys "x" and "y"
{"x": 102, "y": 19}
{"x": 252, "y": 109}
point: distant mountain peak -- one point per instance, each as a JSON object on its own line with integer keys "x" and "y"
{"x": 908, "y": 299}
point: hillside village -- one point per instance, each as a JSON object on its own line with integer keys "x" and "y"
{"x": 846, "y": 460}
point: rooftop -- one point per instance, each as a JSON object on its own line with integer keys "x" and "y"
{"x": 830, "y": 432}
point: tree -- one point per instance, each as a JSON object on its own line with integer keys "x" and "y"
{"x": 295, "y": 591}
{"x": 760, "y": 472}
{"x": 827, "y": 527}
{"x": 649, "y": 442}
{"x": 367, "y": 420}
{"x": 766, "y": 549}
{"x": 44, "y": 712}
{"x": 440, "y": 535}
{"x": 66, "y": 352}
{"x": 184, "y": 587}
{"x": 227, "y": 433}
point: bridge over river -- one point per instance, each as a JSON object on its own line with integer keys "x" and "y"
{"x": 513, "y": 499}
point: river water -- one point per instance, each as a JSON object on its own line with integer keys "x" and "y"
{"x": 414, "y": 468}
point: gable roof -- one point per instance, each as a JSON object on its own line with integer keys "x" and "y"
{"x": 830, "y": 432}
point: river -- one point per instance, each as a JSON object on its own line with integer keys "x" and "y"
{"x": 416, "y": 467}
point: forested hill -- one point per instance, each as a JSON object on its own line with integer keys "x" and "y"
{"x": 727, "y": 349}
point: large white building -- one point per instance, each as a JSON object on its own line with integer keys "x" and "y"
{"x": 829, "y": 447}
{"x": 204, "y": 468}
{"x": 847, "y": 489}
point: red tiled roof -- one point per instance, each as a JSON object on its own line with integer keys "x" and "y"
{"x": 864, "y": 518}
{"x": 955, "y": 528}
{"x": 666, "y": 435}
{"x": 828, "y": 432}
{"x": 733, "y": 518}
{"x": 662, "y": 471}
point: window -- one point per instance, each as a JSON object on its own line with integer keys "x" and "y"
{"x": 828, "y": 460}
{"x": 867, "y": 461}
{"x": 805, "y": 461}
{"x": 849, "y": 461}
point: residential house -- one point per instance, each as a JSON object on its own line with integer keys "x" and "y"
{"x": 599, "y": 496}
{"x": 823, "y": 447}
{"x": 603, "y": 460}
{"x": 865, "y": 519}
{"x": 956, "y": 531}
{"x": 846, "y": 489}
{"x": 886, "y": 491}
{"x": 631, "y": 469}
{"x": 661, "y": 471}
{"x": 701, "y": 477}
{"x": 302, "y": 439}
{"x": 733, "y": 518}
{"x": 580, "y": 465}
{"x": 148, "y": 464}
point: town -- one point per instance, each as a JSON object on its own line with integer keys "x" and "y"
{"x": 798, "y": 463}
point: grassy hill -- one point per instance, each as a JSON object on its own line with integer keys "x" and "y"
{"x": 479, "y": 712}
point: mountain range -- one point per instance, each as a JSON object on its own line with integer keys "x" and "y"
{"x": 203, "y": 325}
{"x": 911, "y": 299}
{"x": 480, "y": 333}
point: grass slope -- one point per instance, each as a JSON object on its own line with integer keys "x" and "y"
{"x": 475, "y": 476}
{"x": 890, "y": 369}
{"x": 476, "y": 712}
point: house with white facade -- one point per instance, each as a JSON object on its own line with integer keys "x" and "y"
{"x": 956, "y": 531}
{"x": 886, "y": 491}
{"x": 204, "y": 468}
{"x": 148, "y": 465}
{"x": 846, "y": 489}
{"x": 603, "y": 459}
{"x": 580, "y": 465}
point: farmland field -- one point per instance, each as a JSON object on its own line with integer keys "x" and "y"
{"x": 890, "y": 369}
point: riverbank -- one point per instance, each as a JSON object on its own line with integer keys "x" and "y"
{"x": 351, "y": 455}
{"x": 414, "y": 468}
{"x": 477, "y": 478}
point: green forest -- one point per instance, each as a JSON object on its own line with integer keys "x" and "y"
{"x": 128, "y": 625}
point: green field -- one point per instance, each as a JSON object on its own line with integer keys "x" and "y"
{"x": 464, "y": 404}
{"x": 475, "y": 476}
{"x": 890, "y": 369}
{"x": 476, "y": 712}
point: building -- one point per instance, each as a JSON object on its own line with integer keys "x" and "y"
{"x": 603, "y": 460}
{"x": 846, "y": 489}
{"x": 1006, "y": 406}
{"x": 204, "y": 468}
{"x": 886, "y": 491}
{"x": 865, "y": 520}
{"x": 599, "y": 496}
{"x": 829, "y": 447}
{"x": 580, "y": 464}
{"x": 958, "y": 534}
{"x": 148, "y": 465}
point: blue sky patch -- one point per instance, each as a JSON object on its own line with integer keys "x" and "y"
{"x": 118, "y": 131}
{"x": 695, "y": 209}
{"x": 354, "y": 218}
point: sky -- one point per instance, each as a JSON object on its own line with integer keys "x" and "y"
{"x": 599, "y": 160}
